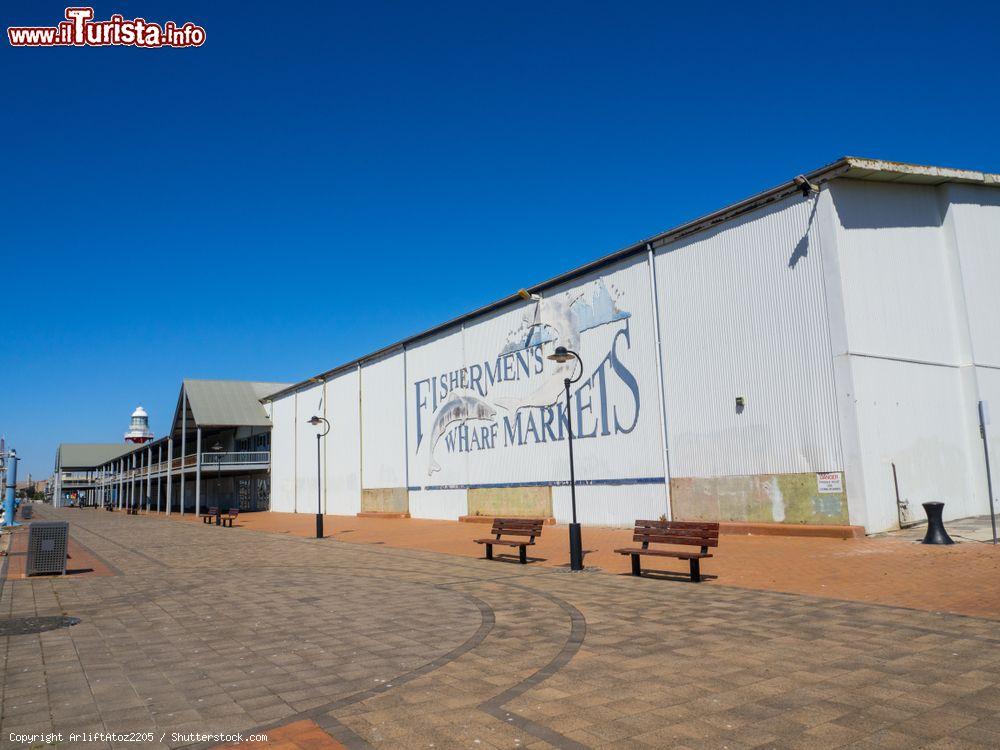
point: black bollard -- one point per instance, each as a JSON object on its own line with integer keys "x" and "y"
{"x": 935, "y": 527}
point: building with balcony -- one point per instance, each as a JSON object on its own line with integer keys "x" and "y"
{"x": 215, "y": 454}
{"x": 76, "y": 471}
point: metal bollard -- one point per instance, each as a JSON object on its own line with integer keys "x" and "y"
{"x": 935, "y": 527}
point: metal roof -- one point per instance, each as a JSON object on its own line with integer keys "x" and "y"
{"x": 851, "y": 167}
{"x": 89, "y": 455}
{"x": 877, "y": 170}
{"x": 229, "y": 403}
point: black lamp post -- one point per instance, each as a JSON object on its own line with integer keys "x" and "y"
{"x": 561, "y": 355}
{"x": 319, "y": 473}
{"x": 217, "y": 450}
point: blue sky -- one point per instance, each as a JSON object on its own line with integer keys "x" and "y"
{"x": 313, "y": 184}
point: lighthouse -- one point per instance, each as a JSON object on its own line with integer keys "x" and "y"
{"x": 138, "y": 431}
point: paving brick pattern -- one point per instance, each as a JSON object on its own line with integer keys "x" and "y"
{"x": 205, "y": 629}
{"x": 961, "y": 578}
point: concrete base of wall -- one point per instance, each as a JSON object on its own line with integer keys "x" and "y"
{"x": 511, "y": 502}
{"x": 381, "y": 514}
{"x": 489, "y": 519}
{"x": 383, "y": 500}
{"x": 789, "y": 529}
{"x": 791, "y": 499}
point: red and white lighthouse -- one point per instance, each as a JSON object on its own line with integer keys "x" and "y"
{"x": 138, "y": 431}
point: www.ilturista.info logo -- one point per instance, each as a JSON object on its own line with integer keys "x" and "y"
{"x": 81, "y": 30}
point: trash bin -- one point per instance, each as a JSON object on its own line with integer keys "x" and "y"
{"x": 47, "y": 542}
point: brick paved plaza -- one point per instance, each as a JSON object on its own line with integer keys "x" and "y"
{"x": 189, "y": 628}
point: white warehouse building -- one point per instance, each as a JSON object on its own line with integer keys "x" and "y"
{"x": 815, "y": 354}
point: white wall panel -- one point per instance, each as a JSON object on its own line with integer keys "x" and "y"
{"x": 283, "y": 454}
{"x": 918, "y": 417}
{"x": 343, "y": 445}
{"x": 896, "y": 273}
{"x": 442, "y": 504}
{"x": 989, "y": 391}
{"x": 434, "y": 368}
{"x": 974, "y": 217}
{"x": 308, "y": 402}
{"x": 743, "y": 313}
{"x": 609, "y": 505}
{"x": 383, "y": 411}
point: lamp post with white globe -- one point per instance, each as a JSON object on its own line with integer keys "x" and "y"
{"x": 319, "y": 472}
{"x": 562, "y": 355}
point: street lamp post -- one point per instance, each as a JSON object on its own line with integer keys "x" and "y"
{"x": 561, "y": 355}
{"x": 319, "y": 473}
{"x": 217, "y": 450}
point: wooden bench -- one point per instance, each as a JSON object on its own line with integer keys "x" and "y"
{"x": 529, "y": 527}
{"x": 229, "y": 516}
{"x": 210, "y": 516}
{"x": 693, "y": 534}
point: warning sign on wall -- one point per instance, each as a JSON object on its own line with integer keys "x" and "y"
{"x": 830, "y": 483}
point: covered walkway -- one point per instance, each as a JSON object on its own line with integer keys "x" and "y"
{"x": 217, "y": 453}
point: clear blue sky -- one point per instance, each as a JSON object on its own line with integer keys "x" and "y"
{"x": 323, "y": 178}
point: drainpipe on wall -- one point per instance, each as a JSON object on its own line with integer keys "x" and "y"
{"x": 650, "y": 257}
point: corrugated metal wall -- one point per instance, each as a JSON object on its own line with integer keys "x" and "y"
{"x": 988, "y": 380}
{"x": 343, "y": 448}
{"x": 916, "y": 269}
{"x": 766, "y": 342}
{"x": 383, "y": 438}
{"x": 917, "y": 417}
{"x": 743, "y": 313}
{"x": 609, "y": 504}
{"x": 975, "y": 212}
{"x": 309, "y": 402}
{"x": 895, "y": 269}
{"x": 819, "y": 312}
{"x": 435, "y": 357}
{"x": 443, "y": 504}
{"x": 283, "y": 430}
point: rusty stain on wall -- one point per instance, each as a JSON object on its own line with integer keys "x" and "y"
{"x": 385, "y": 500}
{"x": 761, "y": 498}
{"x": 519, "y": 502}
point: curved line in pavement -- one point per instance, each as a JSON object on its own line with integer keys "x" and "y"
{"x": 494, "y": 706}
{"x": 320, "y": 714}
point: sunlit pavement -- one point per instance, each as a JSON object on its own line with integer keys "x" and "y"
{"x": 204, "y": 629}
{"x": 960, "y": 579}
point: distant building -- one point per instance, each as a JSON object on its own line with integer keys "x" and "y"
{"x": 35, "y": 485}
{"x": 216, "y": 453}
{"x": 76, "y": 470}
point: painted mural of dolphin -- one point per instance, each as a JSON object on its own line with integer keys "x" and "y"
{"x": 552, "y": 314}
{"x": 458, "y": 407}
